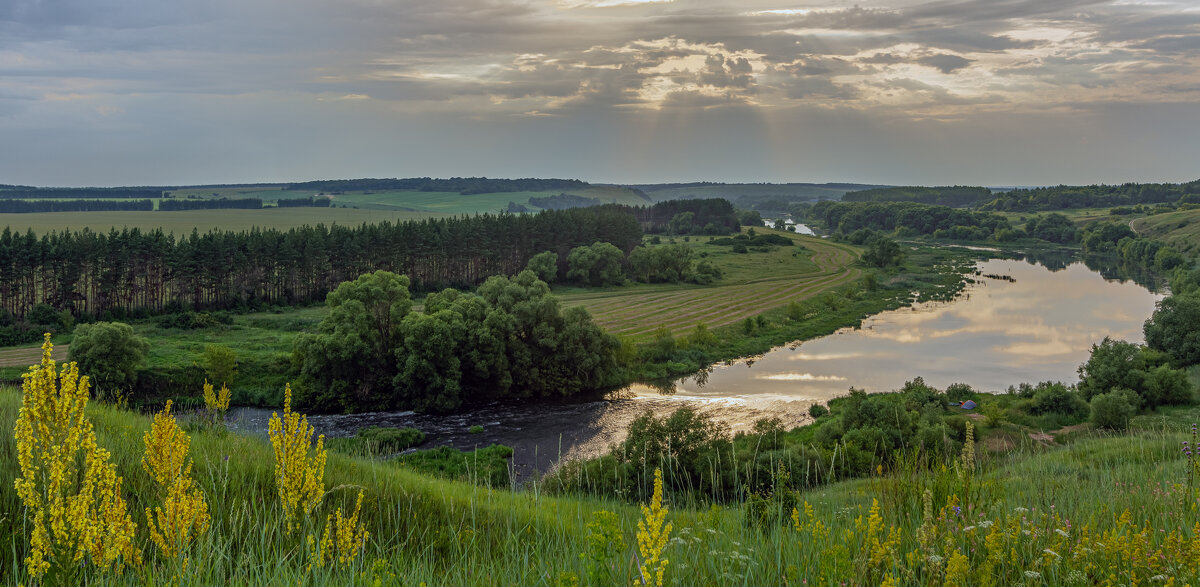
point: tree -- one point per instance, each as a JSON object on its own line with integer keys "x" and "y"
{"x": 1175, "y": 329}
{"x": 596, "y": 265}
{"x": 351, "y": 359}
{"x": 220, "y": 363}
{"x": 883, "y": 252}
{"x": 1116, "y": 364}
{"x": 110, "y": 354}
{"x": 545, "y": 266}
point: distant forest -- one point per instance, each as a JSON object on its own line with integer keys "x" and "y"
{"x": 953, "y": 196}
{"x": 462, "y": 185}
{"x": 131, "y": 272}
{"x": 31, "y": 206}
{"x": 1094, "y": 196}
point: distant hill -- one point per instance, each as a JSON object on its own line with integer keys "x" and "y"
{"x": 957, "y": 196}
{"x": 765, "y": 197}
{"x": 1180, "y": 230}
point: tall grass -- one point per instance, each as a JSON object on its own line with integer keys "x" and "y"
{"x": 425, "y": 530}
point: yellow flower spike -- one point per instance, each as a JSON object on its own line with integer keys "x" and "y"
{"x": 183, "y": 516}
{"x": 216, "y": 401}
{"x": 299, "y": 475}
{"x": 652, "y": 536}
{"x": 70, "y": 490}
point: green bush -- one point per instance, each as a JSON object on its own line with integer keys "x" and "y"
{"x": 817, "y": 411}
{"x": 1113, "y": 410}
{"x": 1055, "y": 398}
{"x": 110, "y": 354}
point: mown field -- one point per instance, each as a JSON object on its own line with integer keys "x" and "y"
{"x": 1181, "y": 230}
{"x": 754, "y": 283}
{"x": 182, "y": 222}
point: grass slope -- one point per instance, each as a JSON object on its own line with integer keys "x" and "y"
{"x": 1030, "y": 498}
{"x": 1181, "y": 230}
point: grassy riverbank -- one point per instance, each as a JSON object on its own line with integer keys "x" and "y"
{"x": 1034, "y": 513}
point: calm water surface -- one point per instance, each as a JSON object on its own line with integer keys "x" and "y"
{"x": 1033, "y": 325}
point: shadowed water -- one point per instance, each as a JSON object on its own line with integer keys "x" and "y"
{"x": 1025, "y": 324}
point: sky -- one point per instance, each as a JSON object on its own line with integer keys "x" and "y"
{"x": 931, "y": 92}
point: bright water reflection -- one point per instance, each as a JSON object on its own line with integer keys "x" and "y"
{"x": 1039, "y": 326}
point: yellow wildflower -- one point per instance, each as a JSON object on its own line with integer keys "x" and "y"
{"x": 216, "y": 401}
{"x": 184, "y": 513}
{"x": 343, "y": 539}
{"x": 74, "y": 504}
{"x": 299, "y": 475}
{"x": 652, "y": 536}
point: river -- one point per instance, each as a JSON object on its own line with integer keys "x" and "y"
{"x": 1020, "y": 322}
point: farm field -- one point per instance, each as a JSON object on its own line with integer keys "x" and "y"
{"x": 183, "y": 222}
{"x": 1181, "y": 230}
{"x": 754, "y": 283}
{"x": 455, "y": 203}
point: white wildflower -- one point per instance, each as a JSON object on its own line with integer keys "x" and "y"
{"x": 1062, "y": 532}
{"x": 1033, "y": 575}
{"x": 986, "y": 524}
{"x": 1052, "y": 553}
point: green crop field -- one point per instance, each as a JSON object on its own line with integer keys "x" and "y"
{"x": 455, "y": 203}
{"x": 1178, "y": 229}
{"x": 182, "y": 222}
{"x": 754, "y": 283}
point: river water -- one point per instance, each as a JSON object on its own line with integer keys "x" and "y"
{"x": 1020, "y": 322}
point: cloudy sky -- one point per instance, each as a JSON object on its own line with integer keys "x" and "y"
{"x": 995, "y": 92}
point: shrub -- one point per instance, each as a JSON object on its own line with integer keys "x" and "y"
{"x": 959, "y": 392}
{"x": 110, "y": 354}
{"x": 1114, "y": 409}
{"x": 220, "y": 363}
{"x": 1055, "y": 398}
{"x": 818, "y": 411}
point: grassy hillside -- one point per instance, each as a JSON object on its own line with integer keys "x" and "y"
{"x": 1181, "y": 230}
{"x": 183, "y": 222}
{"x": 1101, "y": 510}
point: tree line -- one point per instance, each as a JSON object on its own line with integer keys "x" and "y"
{"x": 211, "y": 204}
{"x": 312, "y": 201}
{"x": 953, "y": 196}
{"x": 908, "y": 219}
{"x": 1094, "y": 196}
{"x": 134, "y": 272}
{"x": 462, "y": 185}
{"x": 26, "y": 192}
{"x": 31, "y": 206}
